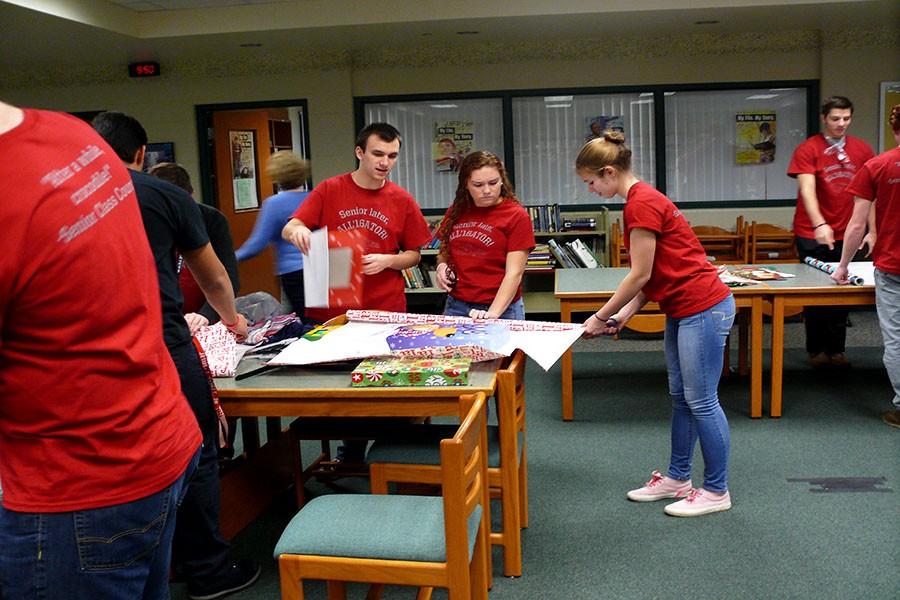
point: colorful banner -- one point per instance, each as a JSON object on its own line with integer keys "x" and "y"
{"x": 452, "y": 141}
{"x": 754, "y": 138}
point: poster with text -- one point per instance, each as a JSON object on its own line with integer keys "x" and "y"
{"x": 596, "y": 125}
{"x": 754, "y": 138}
{"x": 243, "y": 169}
{"x": 452, "y": 141}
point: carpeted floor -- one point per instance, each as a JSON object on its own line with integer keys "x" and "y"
{"x": 785, "y": 536}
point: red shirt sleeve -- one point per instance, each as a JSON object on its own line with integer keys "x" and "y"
{"x": 863, "y": 184}
{"x": 310, "y": 210}
{"x": 521, "y": 232}
{"x": 416, "y": 232}
{"x": 803, "y": 161}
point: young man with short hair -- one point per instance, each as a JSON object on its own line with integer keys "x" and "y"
{"x": 389, "y": 217}
{"x": 823, "y": 166}
{"x": 174, "y": 226}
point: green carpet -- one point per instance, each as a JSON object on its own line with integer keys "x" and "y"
{"x": 780, "y": 540}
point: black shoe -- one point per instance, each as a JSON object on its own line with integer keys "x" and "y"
{"x": 238, "y": 576}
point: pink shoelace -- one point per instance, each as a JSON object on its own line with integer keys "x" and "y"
{"x": 693, "y": 494}
{"x": 655, "y": 479}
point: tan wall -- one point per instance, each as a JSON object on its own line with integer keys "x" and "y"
{"x": 166, "y": 106}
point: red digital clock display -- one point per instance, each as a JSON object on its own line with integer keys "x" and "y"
{"x": 143, "y": 69}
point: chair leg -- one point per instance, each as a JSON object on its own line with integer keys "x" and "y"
{"x": 424, "y": 593}
{"x": 291, "y": 584}
{"x": 337, "y": 590}
{"x": 523, "y": 488}
{"x": 478, "y": 575}
{"x": 375, "y": 591}
{"x": 512, "y": 533}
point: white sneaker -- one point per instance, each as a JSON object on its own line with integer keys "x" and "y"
{"x": 660, "y": 487}
{"x": 699, "y": 502}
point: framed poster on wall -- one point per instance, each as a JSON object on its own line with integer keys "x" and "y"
{"x": 243, "y": 169}
{"x": 158, "y": 152}
{"x": 889, "y": 97}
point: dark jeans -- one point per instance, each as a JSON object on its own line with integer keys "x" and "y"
{"x": 292, "y": 283}
{"x": 110, "y": 553}
{"x": 826, "y": 326}
{"x": 199, "y": 551}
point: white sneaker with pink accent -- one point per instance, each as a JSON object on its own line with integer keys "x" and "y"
{"x": 660, "y": 487}
{"x": 699, "y": 502}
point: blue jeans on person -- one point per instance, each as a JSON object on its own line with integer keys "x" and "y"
{"x": 110, "y": 553}
{"x": 694, "y": 356}
{"x": 887, "y": 303}
{"x": 458, "y": 308}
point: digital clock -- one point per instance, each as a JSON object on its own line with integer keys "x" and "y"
{"x": 143, "y": 69}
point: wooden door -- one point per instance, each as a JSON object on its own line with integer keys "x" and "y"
{"x": 258, "y": 273}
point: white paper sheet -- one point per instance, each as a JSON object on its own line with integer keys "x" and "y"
{"x": 315, "y": 270}
{"x": 863, "y": 269}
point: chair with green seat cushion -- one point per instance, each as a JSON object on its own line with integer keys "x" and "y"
{"x": 413, "y": 458}
{"x": 400, "y": 540}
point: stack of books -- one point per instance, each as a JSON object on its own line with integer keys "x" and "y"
{"x": 540, "y": 259}
{"x": 579, "y": 224}
{"x": 573, "y": 255}
{"x": 545, "y": 217}
{"x": 417, "y": 278}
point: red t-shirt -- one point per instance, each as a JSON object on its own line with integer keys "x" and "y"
{"x": 879, "y": 179}
{"x": 391, "y": 220}
{"x": 832, "y": 176}
{"x": 91, "y": 410}
{"x": 683, "y": 281}
{"x": 479, "y": 242}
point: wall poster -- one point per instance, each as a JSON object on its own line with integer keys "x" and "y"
{"x": 243, "y": 169}
{"x": 451, "y": 142}
{"x": 754, "y": 137}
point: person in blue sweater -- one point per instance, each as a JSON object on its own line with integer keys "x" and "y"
{"x": 290, "y": 173}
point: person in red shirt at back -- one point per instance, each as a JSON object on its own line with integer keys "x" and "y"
{"x": 880, "y": 178}
{"x": 669, "y": 266}
{"x": 823, "y": 166}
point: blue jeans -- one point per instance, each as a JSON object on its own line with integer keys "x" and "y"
{"x": 694, "y": 354}
{"x": 115, "y": 552}
{"x": 458, "y": 308}
{"x": 887, "y": 303}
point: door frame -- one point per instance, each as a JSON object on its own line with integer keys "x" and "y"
{"x": 205, "y": 139}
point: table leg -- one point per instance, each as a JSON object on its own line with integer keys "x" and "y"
{"x": 756, "y": 351}
{"x": 742, "y": 341}
{"x": 777, "y": 354}
{"x": 568, "y": 405}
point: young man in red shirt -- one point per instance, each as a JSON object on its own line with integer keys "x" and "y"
{"x": 879, "y": 179}
{"x": 97, "y": 441}
{"x": 389, "y": 217}
{"x": 823, "y": 166}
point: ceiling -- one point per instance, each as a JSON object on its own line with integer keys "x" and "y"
{"x": 45, "y": 33}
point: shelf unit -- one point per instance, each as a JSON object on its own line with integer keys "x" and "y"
{"x": 537, "y": 284}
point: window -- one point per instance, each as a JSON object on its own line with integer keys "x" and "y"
{"x": 549, "y": 131}
{"x": 435, "y": 133}
{"x": 733, "y": 145}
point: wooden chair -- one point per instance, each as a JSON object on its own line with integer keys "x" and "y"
{"x": 722, "y": 246}
{"x": 414, "y": 459}
{"x": 618, "y": 255}
{"x": 771, "y": 244}
{"x": 420, "y": 541}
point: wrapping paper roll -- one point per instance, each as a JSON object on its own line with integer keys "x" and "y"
{"x": 827, "y": 268}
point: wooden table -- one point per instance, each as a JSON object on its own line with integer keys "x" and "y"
{"x": 315, "y": 392}
{"x": 584, "y": 290}
{"x": 808, "y": 287}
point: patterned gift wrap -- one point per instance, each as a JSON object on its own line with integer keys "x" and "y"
{"x": 405, "y": 372}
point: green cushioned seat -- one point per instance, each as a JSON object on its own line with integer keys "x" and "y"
{"x": 421, "y": 445}
{"x": 377, "y": 526}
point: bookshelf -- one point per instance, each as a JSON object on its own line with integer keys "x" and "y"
{"x": 537, "y": 284}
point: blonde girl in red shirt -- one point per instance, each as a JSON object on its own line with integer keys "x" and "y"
{"x": 669, "y": 266}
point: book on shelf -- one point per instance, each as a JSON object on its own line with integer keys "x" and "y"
{"x": 545, "y": 218}
{"x": 417, "y": 277}
{"x": 579, "y": 224}
{"x": 562, "y": 255}
{"x": 583, "y": 253}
